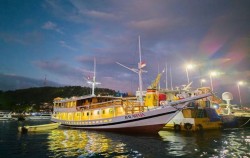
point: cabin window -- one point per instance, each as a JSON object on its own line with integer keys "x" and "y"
{"x": 103, "y": 112}
{"x": 111, "y": 111}
{"x": 87, "y": 114}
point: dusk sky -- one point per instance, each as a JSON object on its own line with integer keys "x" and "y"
{"x": 59, "y": 39}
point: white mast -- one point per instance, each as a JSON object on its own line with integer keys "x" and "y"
{"x": 171, "y": 77}
{"x": 138, "y": 71}
{"x": 166, "y": 76}
{"x": 93, "y": 82}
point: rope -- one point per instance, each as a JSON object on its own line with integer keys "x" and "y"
{"x": 245, "y": 123}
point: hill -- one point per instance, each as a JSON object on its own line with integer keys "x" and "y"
{"x": 33, "y": 99}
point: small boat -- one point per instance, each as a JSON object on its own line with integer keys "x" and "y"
{"x": 38, "y": 128}
{"x": 39, "y": 116}
{"x": 5, "y": 116}
{"x": 198, "y": 116}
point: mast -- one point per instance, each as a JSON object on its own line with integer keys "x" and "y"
{"x": 166, "y": 76}
{"x": 93, "y": 82}
{"x": 170, "y": 69}
{"x": 139, "y": 71}
{"x": 140, "y": 74}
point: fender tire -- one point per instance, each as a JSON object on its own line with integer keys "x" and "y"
{"x": 177, "y": 128}
{"x": 188, "y": 126}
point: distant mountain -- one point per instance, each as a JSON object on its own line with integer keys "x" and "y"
{"x": 13, "y": 82}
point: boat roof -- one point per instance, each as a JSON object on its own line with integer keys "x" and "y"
{"x": 75, "y": 98}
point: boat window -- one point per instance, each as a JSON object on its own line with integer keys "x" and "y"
{"x": 111, "y": 111}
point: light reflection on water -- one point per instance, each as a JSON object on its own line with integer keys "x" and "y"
{"x": 72, "y": 143}
{"x": 63, "y": 142}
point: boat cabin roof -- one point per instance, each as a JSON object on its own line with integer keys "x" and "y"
{"x": 75, "y": 98}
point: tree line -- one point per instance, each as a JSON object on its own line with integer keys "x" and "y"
{"x": 31, "y": 99}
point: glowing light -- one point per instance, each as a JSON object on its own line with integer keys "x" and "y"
{"x": 188, "y": 66}
{"x": 203, "y": 80}
{"x": 238, "y": 86}
{"x": 240, "y": 83}
{"x": 216, "y": 106}
{"x": 213, "y": 73}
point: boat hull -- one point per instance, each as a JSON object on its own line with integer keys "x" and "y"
{"x": 150, "y": 121}
{"x": 144, "y": 122}
{"x": 231, "y": 121}
{"x": 38, "y": 118}
{"x": 38, "y": 128}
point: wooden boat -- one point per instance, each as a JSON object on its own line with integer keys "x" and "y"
{"x": 198, "y": 116}
{"x": 108, "y": 113}
{"x": 38, "y": 128}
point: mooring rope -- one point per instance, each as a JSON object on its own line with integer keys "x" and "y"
{"x": 245, "y": 123}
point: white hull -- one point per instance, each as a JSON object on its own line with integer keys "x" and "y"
{"x": 38, "y": 117}
{"x": 6, "y": 119}
{"x": 146, "y": 122}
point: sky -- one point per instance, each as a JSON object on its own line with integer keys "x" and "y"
{"x": 57, "y": 40}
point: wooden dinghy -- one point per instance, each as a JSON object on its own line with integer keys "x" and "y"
{"x": 38, "y": 128}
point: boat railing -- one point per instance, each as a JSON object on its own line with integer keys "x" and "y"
{"x": 100, "y": 105}
{"x": 133, "y": 106}
{"x": 64, "y": 109}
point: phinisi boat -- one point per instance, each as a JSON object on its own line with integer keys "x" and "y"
{"x": 108, "y": 113}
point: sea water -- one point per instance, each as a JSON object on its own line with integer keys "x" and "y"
{"x": 63, "y": 142}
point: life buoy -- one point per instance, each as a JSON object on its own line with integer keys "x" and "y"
{"x": 177, "y": 128}
{"x": 199, "y": 127}
{"x": 188, "y": 126}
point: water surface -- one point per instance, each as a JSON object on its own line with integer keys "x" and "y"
{"x": 65, "y": 142}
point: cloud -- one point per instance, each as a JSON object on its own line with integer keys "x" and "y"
{"x": 62, "y": 69}
{"x": 7, "y": 37}
{"x": 100, "y": 15}
{"x": 22, "y": 38}
{"x": 13, "y": 82}
{"x": 51, "y": 26}
{"x": 65, "y": 45}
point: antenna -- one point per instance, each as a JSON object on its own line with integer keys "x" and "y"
{"x": 45, "y": 80}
